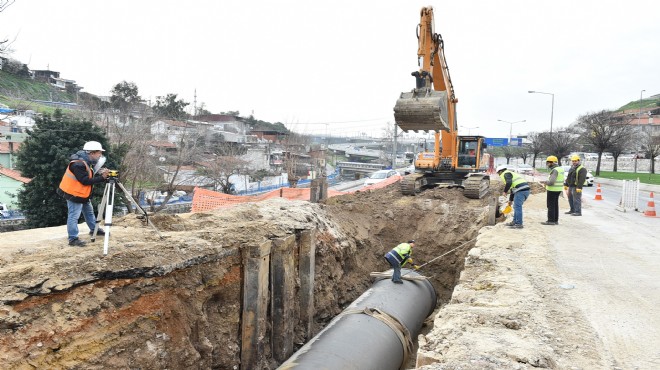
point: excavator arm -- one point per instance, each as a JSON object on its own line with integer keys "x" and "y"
{"x": 431, "y": 106}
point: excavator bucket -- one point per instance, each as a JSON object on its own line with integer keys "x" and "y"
{"x": 422, "y": 110}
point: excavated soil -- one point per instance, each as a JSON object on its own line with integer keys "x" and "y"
{"x": 175, "y": 302}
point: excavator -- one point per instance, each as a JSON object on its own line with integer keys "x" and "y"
{"x": 456, "y": 161}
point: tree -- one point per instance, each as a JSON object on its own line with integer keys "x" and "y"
{"x": 169, "y": 107}
{"x": 601, "y": 130}
{"x": 650, "y": 141}
{"x": 560, "y": 143}
{"x": 43, "y": 157}
{"x": 535, "y": 146}
{"x": 4, "y": 46}
{"x": 220, "y": 169}
{"x": 124, "y": 96}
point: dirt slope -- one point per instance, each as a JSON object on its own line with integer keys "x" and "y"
{"x": 175, "y": 302}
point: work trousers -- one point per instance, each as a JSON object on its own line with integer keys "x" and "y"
{"x": 518, "y": 199}
{"x": 75, "y": 209}
{"x": 575, "y": 200}
{"x": 552, "y": 202}
{"x": 396, "y": 266}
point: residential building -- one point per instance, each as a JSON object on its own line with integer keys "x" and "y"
{"x": 11, "y": 182}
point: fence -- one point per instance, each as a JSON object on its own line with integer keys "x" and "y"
{"x": 206, "y": 200}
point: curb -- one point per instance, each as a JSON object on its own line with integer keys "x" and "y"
{"x": 619, "y": 183}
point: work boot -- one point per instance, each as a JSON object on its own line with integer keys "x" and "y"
{"x": 398, "y": 282}
{"x": 98, "y": 232}
{"x": 548, "y": 223}
{"x": 569, "y": 212}
{"x": 76, "y": 243}
{"x": 511, "y": 224}
{"x": 576, "y": 214}
{"x": 516, "y": 226}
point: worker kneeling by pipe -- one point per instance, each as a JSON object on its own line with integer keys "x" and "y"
{"x": 374, "y": 332}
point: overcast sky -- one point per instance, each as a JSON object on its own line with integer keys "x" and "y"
{"x": 341, "y": 64}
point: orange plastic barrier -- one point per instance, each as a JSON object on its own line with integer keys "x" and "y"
{"x": 206, "y": 200}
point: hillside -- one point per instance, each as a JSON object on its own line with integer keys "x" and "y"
{"x": 18, "y": 93}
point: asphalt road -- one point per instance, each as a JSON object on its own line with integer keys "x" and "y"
{"x": 612, "y": 259}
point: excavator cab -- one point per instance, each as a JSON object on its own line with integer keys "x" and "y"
{"x": 470, "y": 153}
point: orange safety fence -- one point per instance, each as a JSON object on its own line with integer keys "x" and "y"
{"x": 206, "y": 200}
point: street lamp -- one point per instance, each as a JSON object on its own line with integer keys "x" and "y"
{"x": 470, "y": 128}
{"x": 552, "y": 109}
{"x": 511, "y": 127}
{"x": 639, "y": 122}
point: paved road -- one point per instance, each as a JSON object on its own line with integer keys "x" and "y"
{"x": 613, "y": 260}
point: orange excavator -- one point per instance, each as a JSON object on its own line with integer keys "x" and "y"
{"x": 456, "y": 161}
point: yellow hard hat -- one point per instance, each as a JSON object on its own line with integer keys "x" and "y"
{"x": 575, "y": 158}
{"x": 551, "y": 158}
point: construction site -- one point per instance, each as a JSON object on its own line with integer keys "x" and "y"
{"x": 297, "y": 278}
{"x": 246, "y": 286}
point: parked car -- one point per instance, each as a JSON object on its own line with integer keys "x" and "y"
{"x": 524, "y": 169}
{"x": 379, "y": 176}
{"x": 590, "y": 177}
{"x": 408, "y": 170}
{"x": 4, "y": 211}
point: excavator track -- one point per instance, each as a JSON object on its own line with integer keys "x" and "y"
{"x": 412, "y": 184}
{"x": 476, "y": 186}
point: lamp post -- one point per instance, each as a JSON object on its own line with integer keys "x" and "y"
{"x": 511, "y": 127}
{"x": 470, "y": 128}
{"x": 639, "y": 122}
{"x": 552, "y": 109}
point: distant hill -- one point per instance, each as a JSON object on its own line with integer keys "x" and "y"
{"x": 17, "y": 92}
{"x": 647, "y": 104}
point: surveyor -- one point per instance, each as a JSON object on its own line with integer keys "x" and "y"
{"x": 575, "y": 180}
{"x": 518, "y": 188}
{"x": 553, "y": 188}
{"x": 398, "y": 257}
{"x": 76, "y": 188}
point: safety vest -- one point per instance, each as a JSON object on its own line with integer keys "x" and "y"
{"x": 402, "y": 252}
{"x": 559, "y": 182}
{"x": 577, "y": 172}
{"x": 72, "y": 186}
{"x": 516, "y": 179}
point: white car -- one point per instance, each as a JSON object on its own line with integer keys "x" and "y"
{"x": 379, "y": 176}
{"x": 590, "y": 177}
{"x": 524, "y": 169}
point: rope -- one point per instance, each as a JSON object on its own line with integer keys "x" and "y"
{"x": 442, "y": 255}
{"x": 399, "y": 329}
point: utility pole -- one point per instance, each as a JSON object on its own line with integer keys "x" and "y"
{"x": 394, "y": 148}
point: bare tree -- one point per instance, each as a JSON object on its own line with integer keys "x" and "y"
{"x": 535, "y": 146}
{"x": 4, "y": 44}
{"x": 650, "y": 142}
{"x": 601, "y": 130}
{"x": 220, "y": 169}
{"x": 559, "y": 143}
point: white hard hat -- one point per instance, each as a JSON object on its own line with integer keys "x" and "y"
{"x": 501, "y": 167}
{"x": 92, "y": 146}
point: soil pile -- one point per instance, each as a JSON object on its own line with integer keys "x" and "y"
{"x": 153, "y": 303}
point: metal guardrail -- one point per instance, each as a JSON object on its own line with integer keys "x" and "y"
{"x": 361, "y": 166}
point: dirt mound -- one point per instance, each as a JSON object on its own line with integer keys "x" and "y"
{"x": 175, "y": 302}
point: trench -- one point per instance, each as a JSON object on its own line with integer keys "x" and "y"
{"x": 238, "y": 289}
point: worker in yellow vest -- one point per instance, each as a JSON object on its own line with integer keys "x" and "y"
{"x": 575, "y": 180}
{"x": 518, "y": 189}
{"x": 553, "y": 188}
{"x": 398, "y": 257}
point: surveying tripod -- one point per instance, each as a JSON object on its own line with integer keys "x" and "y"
{"x": 107, "y": 204}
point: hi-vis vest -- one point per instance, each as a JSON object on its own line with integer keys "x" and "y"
{"x": 559, "y": 182}
{"x": 577, "y": 172}
{"x": 401, "y": 252}
{"x": 516, "y": 179}
{"x": 72, "y": 186}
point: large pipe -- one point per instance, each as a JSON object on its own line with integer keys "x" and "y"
{"x": 359, "y": 341}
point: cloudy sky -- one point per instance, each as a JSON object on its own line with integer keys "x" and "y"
{"x": 338, "y": 66}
